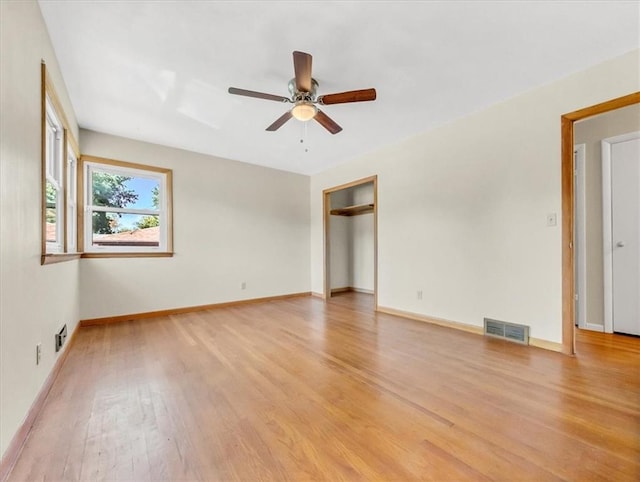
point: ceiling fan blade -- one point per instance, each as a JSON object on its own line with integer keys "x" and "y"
{"x": 280, "y": 121}
{"x": 302, "y": 68}
{"x": 351, "y": 96}
{"x": 258, "y": 95}
{"x": 327, "y": 122}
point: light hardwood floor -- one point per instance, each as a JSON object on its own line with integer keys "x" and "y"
{"x": 302, "y": 390}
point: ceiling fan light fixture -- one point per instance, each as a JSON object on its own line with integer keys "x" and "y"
{"x": 304, "y": 110}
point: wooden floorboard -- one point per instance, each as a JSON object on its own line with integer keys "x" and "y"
{"x": 301, "y": 390}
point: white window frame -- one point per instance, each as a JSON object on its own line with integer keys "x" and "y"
{"x": 72, "y": 200}
{"x": 59, "y": 172}
{"x": 122, "y": 169}
{"x": 54, "y": 172}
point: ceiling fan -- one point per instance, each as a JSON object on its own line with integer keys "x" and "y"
{"x": 303, "y": 94}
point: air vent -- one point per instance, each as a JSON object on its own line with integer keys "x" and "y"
{"x": 506, "y": 331}
{"x": 61, "y": 336}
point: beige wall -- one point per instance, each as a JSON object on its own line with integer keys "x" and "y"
{"x": 361, "y": 236}
{"x": 590, "y": 132}
{"x": 361, "y": 252}
{"x": 35, "y": 300}
{"x": 462, "y": 208}
{"x": 340, "y": 240}
{"x": 233, "y": 223}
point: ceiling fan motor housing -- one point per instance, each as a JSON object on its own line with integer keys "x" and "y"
{"x": 298, "y": 95}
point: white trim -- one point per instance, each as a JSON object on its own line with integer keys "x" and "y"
{"x": 124, "y": 171}
{"x": 109, "y": 209}
{"x": 580, "y": 234}
{"x": 72, "y": 201}
{"x": 593, "y": 327}
{"x": 607, "y": 227}
{"x": 54, "y": 169}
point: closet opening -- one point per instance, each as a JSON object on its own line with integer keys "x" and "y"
{"x": 351, "y": 238}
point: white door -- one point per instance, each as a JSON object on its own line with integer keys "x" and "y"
{"x": 625, "y": 235}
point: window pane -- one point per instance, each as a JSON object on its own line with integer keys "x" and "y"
{"x": 118, "y": 191}
{"x": 115, "y": 229}
{"x": 54, "y": 149}
{"x": 72, "y": 212}
{"x": 126, "y": 207}
{"x": 51, "y": 213}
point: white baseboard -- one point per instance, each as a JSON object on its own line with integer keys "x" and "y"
{"x": 593, "y": 327}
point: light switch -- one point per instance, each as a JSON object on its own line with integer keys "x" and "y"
{"x": 552, "y": 219}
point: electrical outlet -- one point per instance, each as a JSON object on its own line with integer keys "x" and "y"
{"x": 243, "y": 285}
{"x": 38, "y": 353}
{"x": 419, "y": 294}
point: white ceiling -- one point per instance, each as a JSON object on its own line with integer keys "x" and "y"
{"x": 159, "y": 71}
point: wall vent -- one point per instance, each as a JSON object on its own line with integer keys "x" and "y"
{"x": 506, "y": 331}
{"x": 61, "y": 336}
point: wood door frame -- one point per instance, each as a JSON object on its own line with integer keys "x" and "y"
{"x": 568, "y": 258}
{"x": 326, "y": 216}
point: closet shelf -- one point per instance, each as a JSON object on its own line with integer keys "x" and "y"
{"x": 353, "y": 210}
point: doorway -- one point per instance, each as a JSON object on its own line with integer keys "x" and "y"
{"x": 350, "y": 219}
{"x": 568, "y": 214}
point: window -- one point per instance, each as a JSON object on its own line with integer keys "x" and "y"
{"x": 59, "y": 177}
{"x": 54, "y": 181}
{"x": 72, "y": 200}
{"x": 127, "y": 208}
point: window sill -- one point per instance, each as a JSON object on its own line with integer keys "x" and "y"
{"x": 53, "y": 258}
{"x": 166, "y": 254}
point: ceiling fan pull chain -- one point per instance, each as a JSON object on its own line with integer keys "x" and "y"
{"x": 304, "y": 136}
